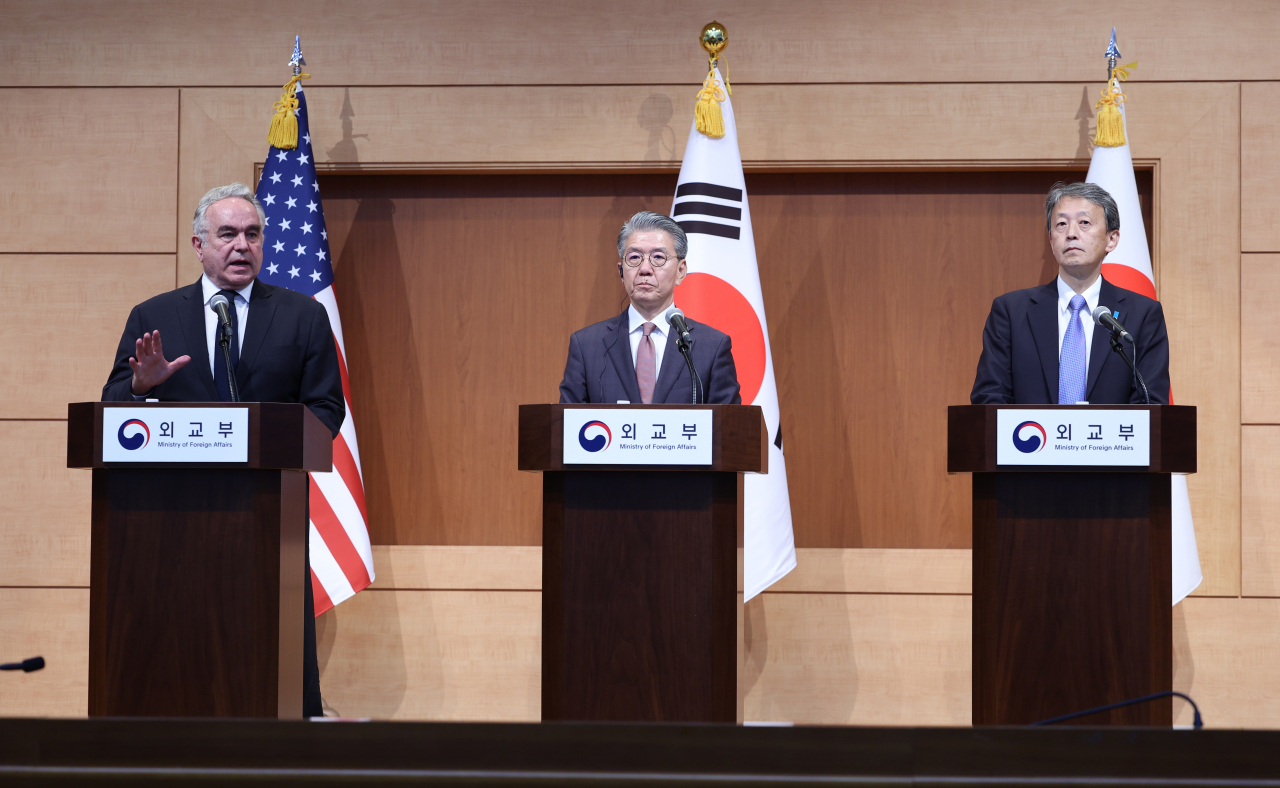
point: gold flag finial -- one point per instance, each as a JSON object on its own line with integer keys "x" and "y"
{"x": 1110, "y": 133}
{"x": 283, "y": 133}
{"x": 708, "y": 118}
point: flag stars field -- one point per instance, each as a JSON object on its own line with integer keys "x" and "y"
{"x": 297, "y": 180}
{"x": 292, "y": 202}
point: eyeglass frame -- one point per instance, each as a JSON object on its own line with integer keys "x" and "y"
{"x": 649, "y": 257}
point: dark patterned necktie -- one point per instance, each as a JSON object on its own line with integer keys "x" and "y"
{"x": 219, "y": 364}
{"x": 646, "y": 365}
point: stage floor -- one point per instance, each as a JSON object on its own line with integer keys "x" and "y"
{"x": 251, "y": 752}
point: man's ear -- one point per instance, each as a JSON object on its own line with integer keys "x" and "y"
{"x": 197, "y": 245}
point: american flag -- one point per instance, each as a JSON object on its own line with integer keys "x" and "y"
{"x": 296, "y": 256}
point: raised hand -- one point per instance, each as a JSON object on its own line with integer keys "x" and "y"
{"x": 149, "y": 367}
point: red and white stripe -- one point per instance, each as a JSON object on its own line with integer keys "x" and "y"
{"x": 341, "y": 556}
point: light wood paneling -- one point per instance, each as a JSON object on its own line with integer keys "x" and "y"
{"x": 1260, "y": 166}
{"x": 44, "y": 513}
{"x": 468, "y": 567}
{"x": 1260, "y": 511}
{"x": 646, "y": 126}
{"x": 74, "y": 307}
{"x": 860, "y": 659}
{"x": 437, "y": 655}
{"x": 391, "y": 42}
{"x": 52, "y": 623}
{"x": 87, "y": 170}
{"x": 1225, "y": 657}
{"x": 879, "y": 571}
{"x": 1198, "y": 273}
{"x": 1260, "y": 338}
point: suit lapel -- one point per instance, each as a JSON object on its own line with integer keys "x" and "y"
{"x": 1100, "y": 351}
{"x": 618, "y": 349}
{"x": 1042, "y": 318}
{"x": 191, "y": 318}
{"x": 672, "y": 365}
{"x": 262, "y": 310}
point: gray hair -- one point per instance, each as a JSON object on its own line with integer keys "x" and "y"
{"x": 648, "y": 220}
{"x": 1090, "y": 192}
{"x": 198, "y": 224}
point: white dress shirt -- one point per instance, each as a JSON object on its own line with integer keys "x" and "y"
{"x": 241, "y": 304}
{"x": 1065, "y": 294}
{"x": 659, "y": 336}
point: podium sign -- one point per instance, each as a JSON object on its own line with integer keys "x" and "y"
{"x": 639, "y": 436}
{"x": 159, "y": 434}
{"x": 1091, "y": 437}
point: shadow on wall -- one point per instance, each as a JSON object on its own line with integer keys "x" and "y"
{"x": 345, "y": 151}
{"x": 655, "y": 117}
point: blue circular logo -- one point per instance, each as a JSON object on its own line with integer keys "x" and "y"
{"x": 1035, "y": 438}
{"x": 597, "y": 443}
{"x": 138, "y": 439}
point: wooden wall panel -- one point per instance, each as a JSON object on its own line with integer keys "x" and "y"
{"x": 1198, "y": 279}
{"x": 438, "y": 655}
{"x": 469, "y": 567}
{"x": 1259, "y": 339}
{"x": 864, "y": 390}
{"x": 1225, "y": 658}
{"x": 1260, "y": 166}
{"x": 1260, "y": 510}
{"x": 859, "y": 659}
{"x": 394, "y": 42}
{"x": 87, "y": 170}
{"x": 44, "y": 513}
{"x": 645, "y": 126}
{"x": 52, "y": 623}
{"x": 73, "y": 307}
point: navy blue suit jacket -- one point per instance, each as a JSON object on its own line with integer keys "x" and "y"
{"x": 1019, "y": 363}
{"x": 600, "y": 368}
{"x": 288, "y": 353}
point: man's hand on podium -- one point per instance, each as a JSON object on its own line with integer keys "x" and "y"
{"x": 149, "y": 367}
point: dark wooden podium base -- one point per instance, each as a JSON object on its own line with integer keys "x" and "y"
{"x": 1071, "y": 596}
{"x": 639, "y": 602}
{"x": 196, "y": 593}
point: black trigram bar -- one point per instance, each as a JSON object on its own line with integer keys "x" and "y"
{"x": 711, "y": 228}
{"x": 708, "y": 190}
{"x": 708, "y": 209}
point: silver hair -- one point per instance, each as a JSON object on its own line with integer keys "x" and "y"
{"x": 198, "y": 224}
{"x": 648, "y": 220}
{"x": 1090, "y": 192}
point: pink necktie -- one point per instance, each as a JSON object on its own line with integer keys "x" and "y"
{"x": 646, "y": 365}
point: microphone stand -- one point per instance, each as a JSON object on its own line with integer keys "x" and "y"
{"x": 225, "y": 341}
{"x": 1137, "y": 376}
{"x": 694, "y": 379}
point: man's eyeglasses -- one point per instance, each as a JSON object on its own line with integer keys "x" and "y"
{"x": 656, "y": 259}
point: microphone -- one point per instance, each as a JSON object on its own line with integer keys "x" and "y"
{"x": 220, "y": 305}
{"x": 676, "y": 318}
{"x": 26, "y": 665}
{"x": 1103, "y": 315}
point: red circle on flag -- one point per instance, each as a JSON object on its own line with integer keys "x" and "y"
{"x": 711, "y": 300}
{"x": 1129, "y": 278}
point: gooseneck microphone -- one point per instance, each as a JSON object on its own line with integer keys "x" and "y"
{"x": 222, "y": 307}
{"x": 1103, "y": 315}
{"x": 676, "y": 320}
{"x": 26, "y": 665}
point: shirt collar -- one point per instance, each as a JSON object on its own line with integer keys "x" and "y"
{"x": 210, "y": 289}
{"x": 660, "y": 324}
{"x": 1091, "y": 295}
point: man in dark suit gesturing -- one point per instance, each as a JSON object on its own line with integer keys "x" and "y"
{"x": 1041, "y": 345}
{"x": 634, "y": 357}
{"x": 282, "y": 348}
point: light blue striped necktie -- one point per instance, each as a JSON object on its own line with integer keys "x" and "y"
{"x": 1072, "y": 363}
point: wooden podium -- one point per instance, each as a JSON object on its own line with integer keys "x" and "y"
{"x": 641, "y": 613}
{"x": 1072, "y": 597}
{"x": 196, "y": 578}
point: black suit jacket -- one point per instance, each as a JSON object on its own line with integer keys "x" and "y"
{"x": 600, "y": 368}
{"x": 288, "y": 353}
{"x": 1019, "y": 363}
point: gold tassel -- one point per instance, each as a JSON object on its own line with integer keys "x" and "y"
{"x": 284, "y": 124}
{"x": 706, "y": 113}
{"x": 1110, "y": 132}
